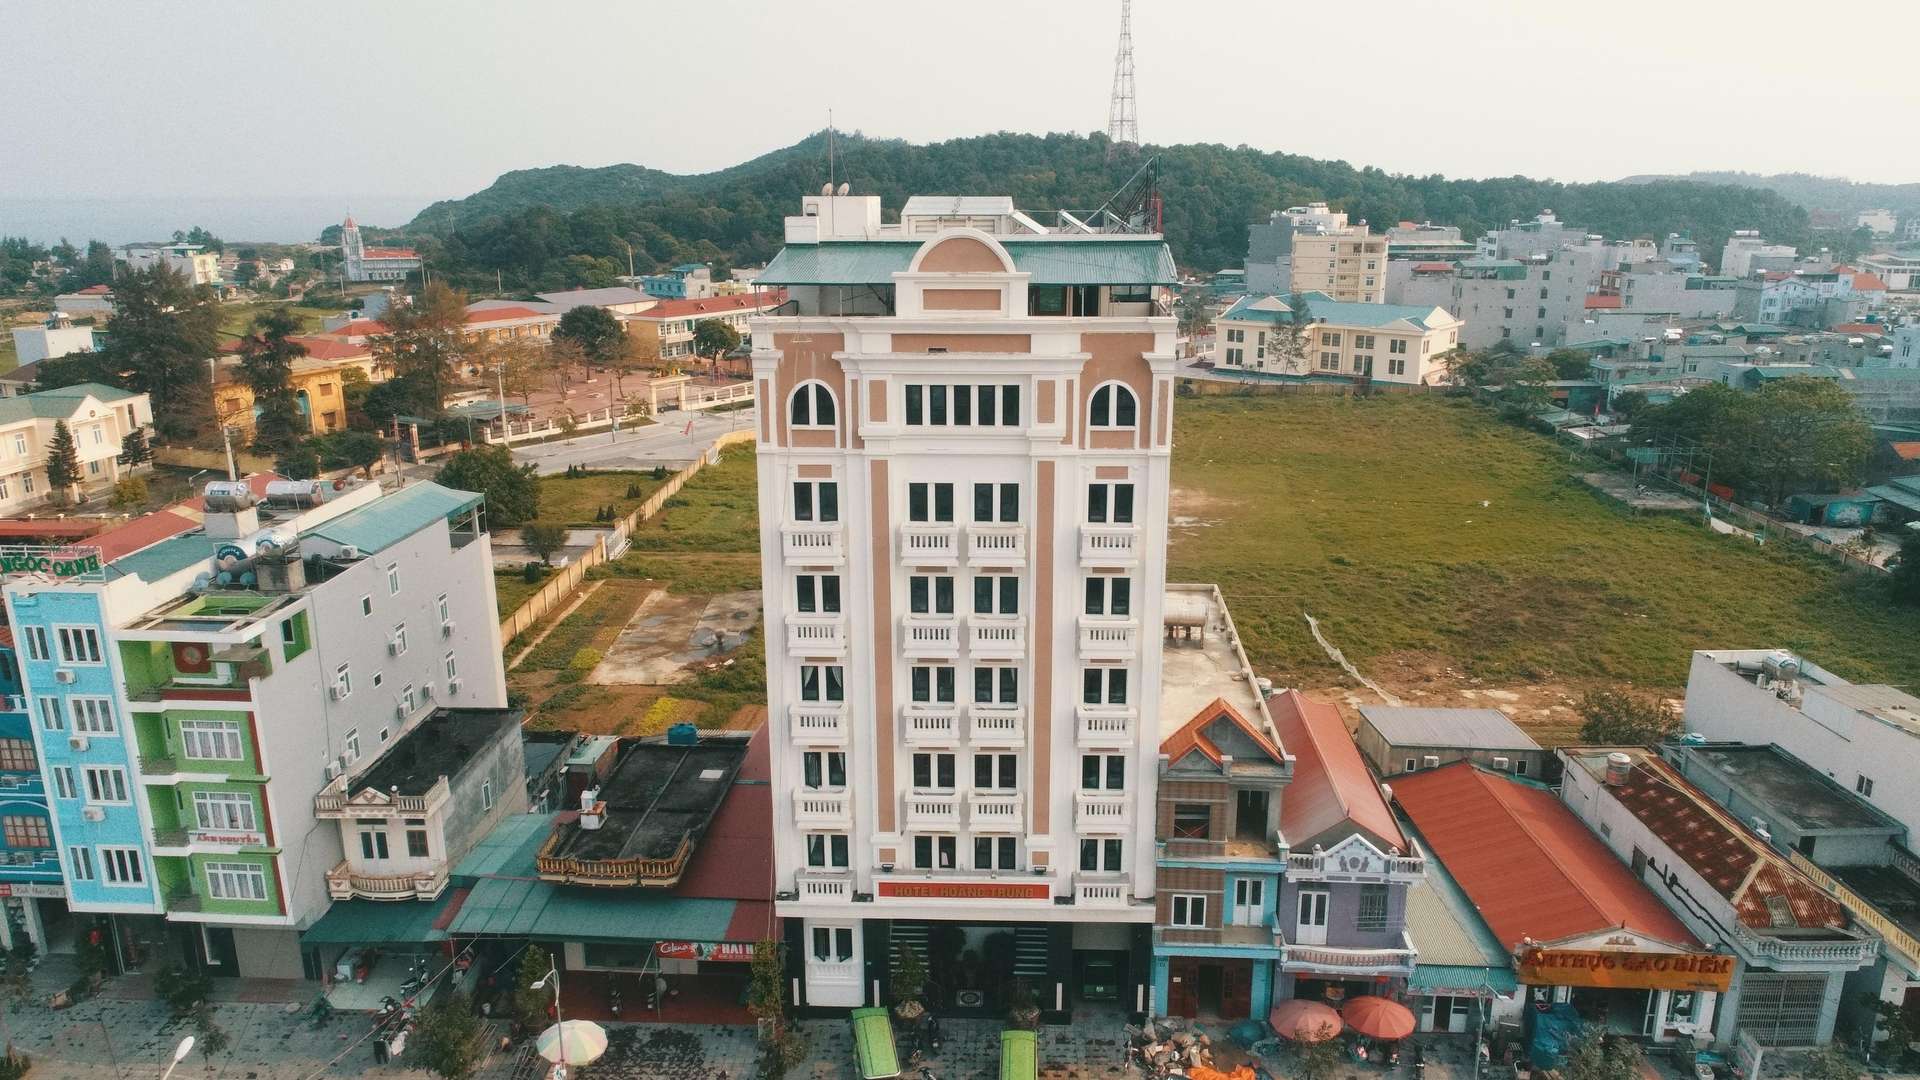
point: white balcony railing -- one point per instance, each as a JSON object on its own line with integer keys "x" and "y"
{"x": 1313, "y": 864}
{"x": 931, "y": 636}
{"x": 1109, "y": 545}
{"x": 809, "y": 544}
{"x": 1102, "y": 890}
{"x": 991, "y": 637}
{"x": 818, "y": 723}
{"x": 822, "y": 808}
{"x": 930, "y": 545}
{"x": 1106, "y": 726}
{"x": 994, "y": 811}
{"x": 1348, "y": 961}
{"x": 1102, "y": 811}
{"x": 997, "y": 545}
{"x": 828, "y": 885}
{"x": 933, "y": 810}
{"x": 997, "y": 725}
{"x": 930, "y": 723}
{"x": 817, "y": 635}
{"x": 1108, "y": 639}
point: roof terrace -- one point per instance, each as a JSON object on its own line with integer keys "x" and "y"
{"x": 642, "y": 825}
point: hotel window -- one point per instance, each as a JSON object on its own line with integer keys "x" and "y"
{"x": 1114, "y": 406}
{"x": 1330, "y": 339}
{"x": 996, "y": 853}
{"x": 827, "y": 851}
{"x": 996, "y": 685}
{"x": 817, "y": 594}
{"x": 79, "y": 644}
{"x": 106, "y": 784}
{"x": 1396, "y": 365}
{"x": 996, "y": 594}
{"x": 350, "y": 746}
{"x": 26, "y": 831}
{"x": 223, "y": 810}
{"x": 453, "y": 667}
{"x": 933, "y": 772}
{"x": 1100, "y": 856}
{"x": 933, "y": 683}
{"x": 935, "y": 852}
{"x": 236, "y": 881}
{"x": 210, "y": 740}
{"x": 1103, "y": 772}
{"x": 16, "y": 755}
{"x": 1329, "y": 361}
{"x": 930, "y": 594}
{"x": 930, "y": 503}
{"x": 823, "y": 682}
{"x": 122, "y": 866}
{"x": 812, "y": 406}
{"x": 1192, "y": 821}
{"x": 1103, "y": 686}
{"x": 825, "y": 769}
{"x": 816, "y": 500}
{"x": 19, "y": 444}
{"x": 1189, "y": 910}
{"x": 996, "y": 772}
{"x": 833, "y": 943}
{"x": 1372, "y": 913}
{"x": 1235, "y": 357}
{"x": 1363, "y": 341}
{"x": 1236, "y": 335}
{"x": 342, "y": 682}
{"x": 1109, "y": 596}
{"x": 987, "y": 498}
{"x": 1110, "y": 503}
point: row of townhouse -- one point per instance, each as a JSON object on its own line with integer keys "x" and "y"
{"x": 191, "y": 679}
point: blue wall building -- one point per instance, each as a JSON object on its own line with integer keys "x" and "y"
{"x": 32, "y": 889}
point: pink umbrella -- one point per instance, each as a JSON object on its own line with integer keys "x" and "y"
{"x": 1378, "y": 1018}
{"x": 1304, "y": 1021}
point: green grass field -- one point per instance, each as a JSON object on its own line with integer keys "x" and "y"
{"x": 236, "y": 320}
{"x": 1424, "y": 528}
{"x": 714, "y": 512}
{"x": 574, "y": 499}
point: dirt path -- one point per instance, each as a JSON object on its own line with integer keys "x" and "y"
{"x": 554, "y": 621}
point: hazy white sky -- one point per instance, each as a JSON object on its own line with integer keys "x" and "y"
{"x": 434, "y": 99}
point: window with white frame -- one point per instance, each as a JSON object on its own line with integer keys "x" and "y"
{"x": 825, "y": 769}
{"x": 996, "y": 594}
{"x": 36, "y": 642}
{"x": 52, "y": 716}
{"x": 823, "y": 682}
{"x": 342, "y": 682}
{"x": 373, "y": 839}
{"x": 930, "y": 594}
{"x": 486, "y": 795}
{"x": 1101, "y": 856}
{"x": 211, "y": 740}
{"x": 399, "y": 639}
{"x": 1103, "y": 772}
{"x": 1113, "y": 406}
{"x": 816, "y": 500}
{"x": 935, "y": 852}
{"x": 996, "y": 772}
{"x": 407, "y": 701}
{"x": 350, "y": 745}
{"x": 996, "y": 853}
{"x": 393, "y": 579}
{"x": 224, "y": 811}
{"x": 933, "y": 771}
{"x": 236, "y": 881}
{"x": 1109, "y": 596}
{"x": 961, "y": 405}
{"x": 1103, "y": 686}
{"x": 827, "y": 851}
{"x": 63, "y": 782}
{"x": 440, "y": 606}
{"x": 812, "y": 406}
{"x": 833, "y": 944}
{"x": 817, "y": 594}
{"x": 930, "y": 503}
{"x": 92, "y": 715}
{"x": 1188, "y": 909}
{"x": 1110, "y": 503}
{"x": 996, "y": 502}
{"x": 80, "y": 863}
{"x": 996, "y": 684}
{"x": 933, "y": 683}
{"x": 106, "y": 784}
{"x": 122, "y": 866}
{"x": 453, "y": 667}
{"x": 79, "y": 644}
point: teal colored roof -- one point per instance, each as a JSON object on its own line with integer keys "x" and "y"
{"x": 382, "y": 922}
{"x": 165, "y": 558}
{"x": 57, "y": 404}
{"x": 1244, "y": 311}
{"x": 1898, "y": 495}
{"x": 1051, "y": 261}
{"x": 688, "y": 268}
{"x": 1783, "y": 371}
{"x": 390, "y": 519}
{"x": 1324, "y": 308}
{"x": 528, "y": 907}
{"x": 1432, "y": 978}
{"x": 507, "y": 850}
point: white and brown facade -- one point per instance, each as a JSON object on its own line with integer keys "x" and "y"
{"x": 963, "y": 470}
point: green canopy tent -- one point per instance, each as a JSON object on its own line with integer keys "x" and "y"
{"x": 873, "y": 1045}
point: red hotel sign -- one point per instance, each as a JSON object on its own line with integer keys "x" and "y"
{"x": 726, "y": 952}
{"x": 1639, "y": 970}
{"x": 967, "y": 890}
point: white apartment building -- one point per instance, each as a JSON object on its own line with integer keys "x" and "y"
{"x": 198, "y": 266}
{"x": 1746, "y": 245}
{"x": 1900, "y": 272}
{"x": 58, "y": 336}
{"x": 963, "y": 468}
{"x": 1349, "y": 265}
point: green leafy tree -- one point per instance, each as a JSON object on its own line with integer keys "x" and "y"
{"x": 1904, "y": 581}
{"x": 529, "y": 1005}
{"x": 198, "y": 235}
{"x": 1629, "y": 403}
{"x": 1570, "y": 364}
{"x": 1321, "y": 1058}
{"x": 129, "y": 492}
{"x": 266, "y": 363}
{"x": 165, "y": 329}
{"x": 209, "y": 1037}
{"x": 183, "y": 989}
{"x": 421, "y": 348}
{"x": 1624, "y": 718}
{"x": 543, "y": 538}
{"x": 1787, "y": 435}
{"x": 63, "y": 462}
{"x": 134, "y": 450}
{"x": 512, "y": 490}
{"x": 593, "y": 329}
{"x": 711, "y": 337}
{"x": 299, "y": 462}
{"x": 908, "y": 980}
{"x": 447, "y": 1041}
{"x": 1595, "y": 1054}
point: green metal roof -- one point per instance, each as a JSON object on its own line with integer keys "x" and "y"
{"x": 528, "y": 907}
{"x": 1900, "y": 497}
{"x": 1051, "y": 261}
{"x": 390, "y": 519}
{"x": 1325, "y": 308}
{"x": 381, "y": 922}
{"x": 165, "y": 558}
{"x": 507, "y": 850}
{"x": 1442, "y": 977}
{"x": 57, "y": 404}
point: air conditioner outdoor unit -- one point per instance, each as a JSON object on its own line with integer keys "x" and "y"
{"x": 94, "y": 813}
{"x": 1431, "y": 761}
{"x": 393, "y": 646}
{"x": 453, "y": 687}
{"x": 333, "y": 693}
{"x": 446, "y": 629}
{"x": 349, "y": 551}
{"x": 1502, "y": 763}
{"x": 332, "y": 771}
{"x": 77, "y": 742}
{"x": 64, "y": 675}
{"x": 400, "y": 711}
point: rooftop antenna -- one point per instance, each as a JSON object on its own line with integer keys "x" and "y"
{"x": 1123, "y": 123}
{"x": 829, "y": 191}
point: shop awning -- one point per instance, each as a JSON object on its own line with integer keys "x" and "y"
{"x": 384, "y": 922}
{"x": 1461, "y": 980}
{"x": 528, "y": 907}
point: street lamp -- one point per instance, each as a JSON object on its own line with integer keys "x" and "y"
{"x": 559, "y": 1021}
{"x": 179, "y": 1055}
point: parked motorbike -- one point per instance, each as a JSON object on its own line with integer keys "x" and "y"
{"x": 613, "y": 1001}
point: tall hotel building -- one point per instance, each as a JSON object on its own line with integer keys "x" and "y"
{"x": 963, "y": 468}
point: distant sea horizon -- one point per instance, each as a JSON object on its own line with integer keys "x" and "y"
{"x": 125, "y": 220}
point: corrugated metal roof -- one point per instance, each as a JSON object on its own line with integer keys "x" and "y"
{"x": 165, "y": 558}
{"x": 1096, "y": 261}
{"x": 381, "y": 922}
{"x": 1485, "y": 729}
{"x": 508, "y": 848}
{"x": 1906, "y": 500}
{"x": 1331, "y": 783}
{"x": 57, "y": 404}
{"x": 390, "y": 519}
{"x": 522, "y": 907}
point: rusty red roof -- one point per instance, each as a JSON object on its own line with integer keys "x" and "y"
{"x": 1432, "y": 268}
{"x": 1864, "y": 282}
{"x": 1526, "y": 861}
{"x": 735, "y": 858}
{"x": 1604, "y": 301}
{"x": 390, "y": 253}
{"x": 54, "y": 528}
{"x": 1906, "y": 451}
{"x": 150, "y": 529}
{"x": 713, "y": 305}
{"x": 1331, "y": 783}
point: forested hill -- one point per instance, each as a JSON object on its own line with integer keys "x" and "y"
{"x": 1809, "y": 191}
{"x": 563, "y": 226}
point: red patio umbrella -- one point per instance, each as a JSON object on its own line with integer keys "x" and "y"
{"x": 1304, "y": 1021}
{"x": 1378, "y": 1018}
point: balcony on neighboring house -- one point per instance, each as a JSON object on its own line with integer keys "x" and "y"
{"x": 1102, "y": 890}
{"x": 1105, "y": 727}
{"x": 806, "y": 543}
{"x": 187, "y": 841}
{"x": 1311, "y": 865}
{"x": 821, "y": 808}
{"x": 997, "y": 545}
{"x": 929, "y": 545}
{"x": 1103, "y": 638}
{"x": 997, "y": 637}
{"x": 995, "y": 811}
{"x": 184, "y": 898}
{"x": 830, "y": 886}
{"x": 1109, "y": 545}
{"x": 1102, "y": 811}
{"x": 370, "y": 801}
{"x": 817, "y": 635}
{"x": 344, "y": 884}
{"x": 996, "y": 725}
{"x": 933, "y": 810}
{"x": 925, "y": 723}
{"x": 931, "y": 637}
{"x": 817, "y": 723}
{"x": 1346, "y": 960}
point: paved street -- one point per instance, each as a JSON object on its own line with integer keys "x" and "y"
{"x": 667, "y": 442}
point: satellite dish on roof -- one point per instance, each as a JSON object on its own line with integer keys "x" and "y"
{"x": 826, "y": 189}
{"x": 844, "y": 188}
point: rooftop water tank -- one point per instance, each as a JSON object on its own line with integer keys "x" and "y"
{"x": 683, "y": 735}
